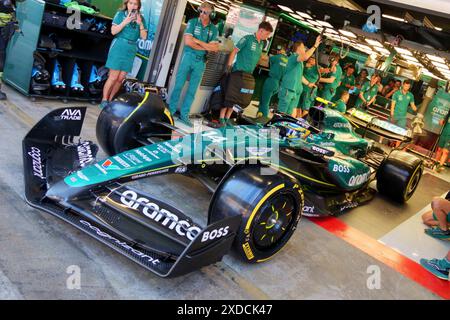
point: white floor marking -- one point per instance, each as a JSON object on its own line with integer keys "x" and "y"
{"x": 411, "y": 241}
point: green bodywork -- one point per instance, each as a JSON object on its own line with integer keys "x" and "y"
{"x": 336, "y": 143}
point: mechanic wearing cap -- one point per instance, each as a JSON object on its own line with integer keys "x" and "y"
{"x": 368, "y": 92}
{"x": 311, "y": 74}
{"x": 278, "y": 65}
{"x": 401, "y": 100}
{"x": 292, "y": 82}
{"x": 332, "y": 79}
{"x": 247, "y": 53}
{"x": 200, "y": 36}
{"x": 128, "y": 26}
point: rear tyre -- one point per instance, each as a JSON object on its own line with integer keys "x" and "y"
{"x": 399, "y": 175}
{"x": 126, "y": 122}
{"x": 270, "y": 206}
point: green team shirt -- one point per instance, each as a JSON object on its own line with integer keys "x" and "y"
{"x": 346, "y": 80}
{"x": 206, "y": 34}
{"x": 337, "y": 74}
{"x": 131, "y": 31}
{"x": 340, "y": 106}
{"x": 368, "y": 93}
{"x": 402, "y": 101}
{"x": 311, "y": 74}
{"x": 294, "y": 72}
{"x": 278, "y": 65}
{"x": 249, "y": 53}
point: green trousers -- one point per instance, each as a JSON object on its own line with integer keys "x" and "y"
{"x": 270, "y": 88}
{"x": 193, "y": 65}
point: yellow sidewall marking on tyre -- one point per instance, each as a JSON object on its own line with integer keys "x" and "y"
{"x": 412, "y": 178}
{"x": 167, "y": 113}
{"x": 260, "y": 203}
{"x": 140, "y": 105}
{"x": 248, "y": 251}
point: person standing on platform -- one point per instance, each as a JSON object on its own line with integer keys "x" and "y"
{"x": 368, "y": 92}
{"x": 332, "y": 79}
{"x": 292, "y": 82}
{"x": 347, "y": 82}
{"x": 200, "y": 36}
{"x": 247, "y": 53}
{"x": 401, "y": 100}
{"x": 277, "y": 64}
{"x": 310, "y": 78}
{"x": 127, "y": 27}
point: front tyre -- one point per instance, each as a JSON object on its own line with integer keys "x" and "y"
{"x": 399, "y": 175}
{"x": 270, "y": 206}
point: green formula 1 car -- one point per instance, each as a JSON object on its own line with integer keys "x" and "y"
{"x": 262, "y": 177}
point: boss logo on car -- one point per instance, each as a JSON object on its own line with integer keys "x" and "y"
{"x": 166, "y": 218}
{"x": 215, "y": 234}
{"x": 35, "y": 155}
{"x": 341, "y": 168}
{"x": 70, "y": 114}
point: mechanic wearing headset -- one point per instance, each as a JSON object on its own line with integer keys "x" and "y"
{"x": 278, "y": 65}
{"x": 200, "y": 36}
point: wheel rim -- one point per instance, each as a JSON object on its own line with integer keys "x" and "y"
{"x": 413, "y": 183}
{"x": 274, "y": 221}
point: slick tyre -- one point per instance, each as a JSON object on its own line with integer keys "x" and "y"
{"x": 130, "y": 121}
{"x": 399, "y": 175}
{"x": 270, "y": 206}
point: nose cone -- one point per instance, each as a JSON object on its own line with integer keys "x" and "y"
{"x": 61, "y": 191}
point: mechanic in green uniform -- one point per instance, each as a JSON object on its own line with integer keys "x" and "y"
{"x": 400, "y": 102}
{"x": 128, "y": 26}
{"x": 347, "y": 81}
{"x": 291, "y": 83}
{"x": 332, "y": 79}
{"x": 307, "y": 96}
{"x": 200, "y": 36}
{"x": 368, "y": 92}
{"x": 443, "y": 146}
{"x": 277, "y": 64}
{"x": 341, "y": 104}
{"x": 247, "y": 53}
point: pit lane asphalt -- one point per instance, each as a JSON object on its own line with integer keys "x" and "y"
{"x": 36, "y": 248}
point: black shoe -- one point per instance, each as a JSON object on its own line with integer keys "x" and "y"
{"x": 2, "y": 95}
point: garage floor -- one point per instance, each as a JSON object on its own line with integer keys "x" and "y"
{"x": 329, "y": 259}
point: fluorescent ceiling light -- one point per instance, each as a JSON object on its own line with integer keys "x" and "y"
{"x": 438, "y": 29}
{"x": 374, "y": 43}
{"x": 331, "y": 31}
{"x": 221, "y": 10}
{"x": 195, "y": 2}
{"x": 383, "y": 50}
{"x": 325, "y": 24}
{"x": 296, "y": 16}
{"x": 347, "y": 33}
{"x": 393, "y": 18}
{"x": 440, "y": 65}
{"x": 435, "y": 58}
{"x": 403, "y": 51}
{"x": 304, "y": 15}
{"x": 314, "y": 23}
{"x": 286, "y": 8}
